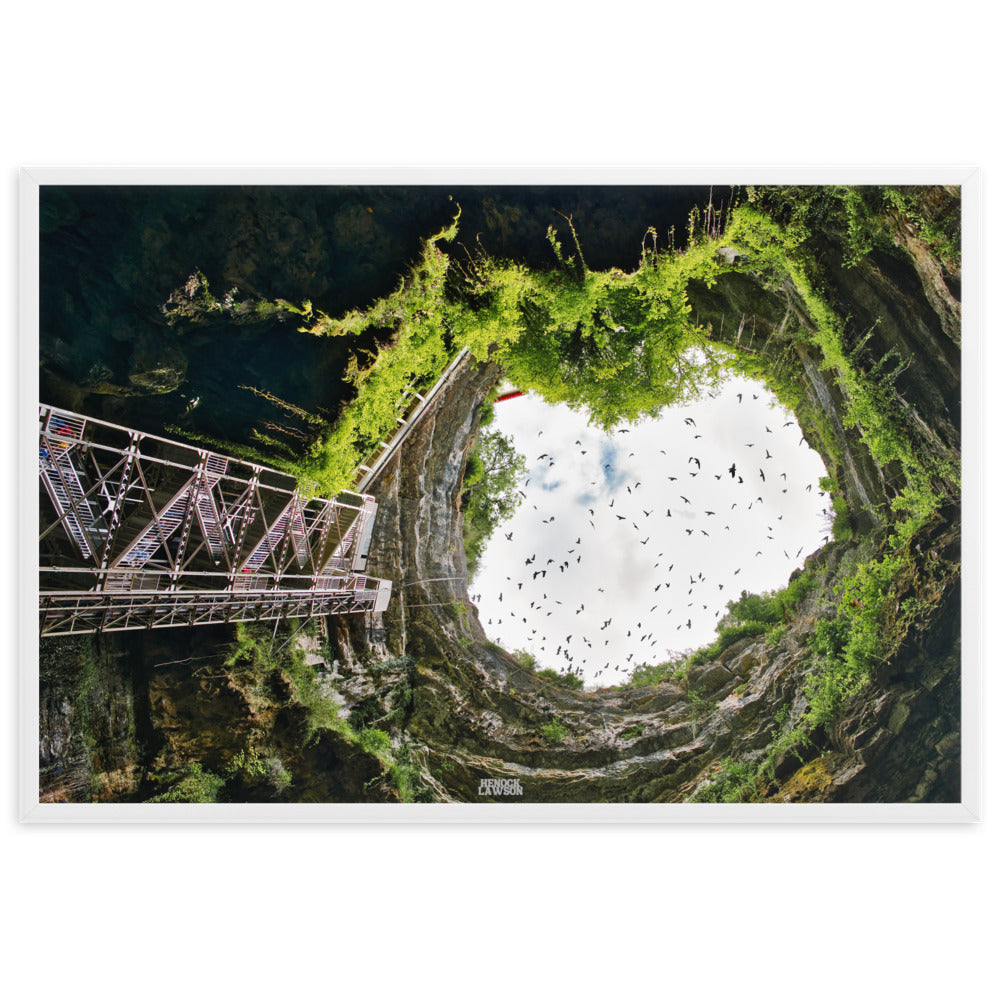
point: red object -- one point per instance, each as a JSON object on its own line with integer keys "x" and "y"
{"x": 509, "y": 395}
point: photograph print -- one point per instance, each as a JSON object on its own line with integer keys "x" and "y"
{"x": 506, "y": 496}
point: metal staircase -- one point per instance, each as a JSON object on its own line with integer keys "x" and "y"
{"x": 137, "y": 531}
{"x": 79, "y": 514}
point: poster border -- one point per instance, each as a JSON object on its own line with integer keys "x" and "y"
{"x": 967, "y": 810}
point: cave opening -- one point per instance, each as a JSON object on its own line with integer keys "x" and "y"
{"x": 628, "y": 544}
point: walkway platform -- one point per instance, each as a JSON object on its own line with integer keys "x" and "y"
{"x": 138, "y": 531}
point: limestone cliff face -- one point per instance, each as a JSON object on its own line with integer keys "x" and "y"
{"x": 477, "y": 714}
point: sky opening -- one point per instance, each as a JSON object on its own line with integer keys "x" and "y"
{"x": 627, "y": 545}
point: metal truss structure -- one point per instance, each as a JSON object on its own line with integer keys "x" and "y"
{"x": 137, "y": 531}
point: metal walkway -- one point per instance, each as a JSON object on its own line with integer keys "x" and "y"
{"x": 137, "y": 531}
{"x": 414, "y": 406}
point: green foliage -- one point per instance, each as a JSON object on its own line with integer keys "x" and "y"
{"x": 841, "y": 520}
{"x": 756, "y": 614}
{"x": 747, "y": 616}
{"x": 277, "y": 774}
{"x": 620, "y": 346}
{"x": 527, "y": 660}
{"x": 747, "y": 780}
{"x": 727, "y": 636}
{"x": 364, "y": 712}
{"x": 868, "y": 625}
{"x": 254, "y": 767}
{"x": 771, "y": 607}
{"x": 391, "y": 701}
{"x": 572, "y": 681}
{"x": 250, "y": 763}
{"x": 917, "y": 506}
{"x": 283, "y": 459}
{"x": 943, "y": 236}
{"x": 554, "y": 731}
{"x": 192, "y": 784}
{"x": 736, "y": 782}
{"x": 673, "y": 669}
{"x": 406, "y": 777}
{"x": 255, "y": 652}
{"x": 375, "y": 741}
{"x": 791, "y": 740}
{"x": 774, "y": 635}
{"x": 530, "y": 662}
{"x": 490, "y": 494}
{"x": 417, "y": 316}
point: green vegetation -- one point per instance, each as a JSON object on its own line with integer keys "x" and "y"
{"x": 192, "y": 784}
{"x": 749, "y": 615}
{"x": 572, "y": 681}
{"x": 405, "y": 775}
{"x": 415, "y": 315}
{"x": 554, "y": 731}
{"x": 618, "y": 346}
{"x": 248, "y": 762}
{"x": 530, "y": 662}
{"x": 869, "y": 217}
{"x": 394, "y": 698}
{"x": 623, "y": 346}
{"x": 747, "y": 781}
{"x": 270, "y": 669}
{"x": 254, "y": 767}
{"x": 490, "y": 496}
{"x": 375, "y": 742}
{"x": 736, "y": 782}
{"x": 864, "y": 630}
{"x": 268, "y": 662}
{"x": 841, "y": 520}
{"x": 881, "y": 599}
{"x": 674, "y": 669}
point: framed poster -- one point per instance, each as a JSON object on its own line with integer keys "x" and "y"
{"x": 507, "y": 496}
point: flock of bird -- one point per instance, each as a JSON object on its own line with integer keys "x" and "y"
{"x": 613, "y": 576}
